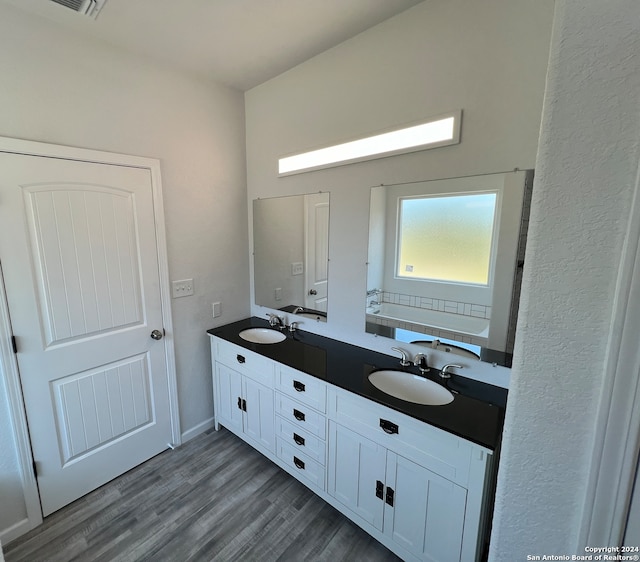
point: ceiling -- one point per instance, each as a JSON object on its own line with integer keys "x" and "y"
{"x": 240, "y": 43}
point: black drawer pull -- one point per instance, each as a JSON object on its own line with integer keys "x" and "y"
{"x": 299, "y": 440}
{"x": 298, "y": 386}
{"x": 389, "y": 498}
{"x": 298, "y": 415}
{"x": 239, "y": 403}
{"x": 298, "y": 463}
{"x": 388, "y": 427}
{"x": 379, "y": 489}
{"x": 240, "y": 358}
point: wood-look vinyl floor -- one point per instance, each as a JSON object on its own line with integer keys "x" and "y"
{"x": 214, "y": 498}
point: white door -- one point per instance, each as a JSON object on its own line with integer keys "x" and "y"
{"x": 316, "y": 250}
{"x": 229, "y": 389}
{"x": 259, "y": 421}
{"x": 425, "y": 514}
{"x": 79, "y": 254}
{"x": 357, "y": 473}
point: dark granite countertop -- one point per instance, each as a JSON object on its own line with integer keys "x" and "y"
{"x": 476, "y": 413}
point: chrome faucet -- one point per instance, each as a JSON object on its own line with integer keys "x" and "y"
{"x": 420, "y": 361}
{"x": 297, "y": 309}
{"x": 275, "y": 321}
{"x": 445, "y": 374}
{"x": 404, "y": 361}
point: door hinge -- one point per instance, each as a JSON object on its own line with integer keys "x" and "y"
{"x": 14, "y": 344}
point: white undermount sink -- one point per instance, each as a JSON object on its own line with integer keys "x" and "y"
{"x": 262, "y": 335}
{"x": 410, "y": 387}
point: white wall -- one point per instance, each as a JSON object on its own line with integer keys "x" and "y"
{"x": 58, "y": 89}
{"x": 487, "y": 58}
{"x": 586, "y": 173}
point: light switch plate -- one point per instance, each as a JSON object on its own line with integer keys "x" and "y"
{"x": 182, "y": 288}
{"x": 217, "y": 309}
{"x": 297, "y": 268}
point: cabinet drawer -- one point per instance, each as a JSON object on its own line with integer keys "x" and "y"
{"x": 303, "y": 388}
{"x": 301, "y": 415}
{"x": 435, "y": 449}
{"x": 247, "y": 362}
{"x": 301, "y": 440}
{"x": 305, "y": 467}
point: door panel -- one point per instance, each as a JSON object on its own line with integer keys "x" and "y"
{"x": 356, "y": 465}
{"x": 229, "y": 390}
{"x": 427, "y": 516}
{"x": 80, "y": 259}
{"x": 316, "y": 250}
{"x": 260, "y": 414}
{"x": 86, "y": 258}
{"x": 101, "y": 405}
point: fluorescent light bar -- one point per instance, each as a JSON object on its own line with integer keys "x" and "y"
{"x": 439, "y": 132}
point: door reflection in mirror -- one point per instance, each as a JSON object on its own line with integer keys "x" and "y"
{"x": 291, "y": 254}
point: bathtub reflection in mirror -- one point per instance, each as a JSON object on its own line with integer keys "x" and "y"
{"x": 444, "y": 263}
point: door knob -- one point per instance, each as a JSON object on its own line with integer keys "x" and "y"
{"x": 313, "y": 292}
{"x": 156, "y": 335}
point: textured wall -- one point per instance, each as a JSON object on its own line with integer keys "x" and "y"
{"x": 586, "y": 172}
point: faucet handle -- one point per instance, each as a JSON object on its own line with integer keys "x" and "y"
{"x": 275, "y": 321}
{"x": 445, "y": 374}
{"x": 420, "y": 361}
{"x": 404, "y": 361}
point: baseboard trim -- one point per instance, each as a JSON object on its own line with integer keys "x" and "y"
{"x": 197, "y": 430}
{"x": 14, "y": 531}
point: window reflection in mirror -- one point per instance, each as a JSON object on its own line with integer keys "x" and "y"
{"x": 291, "y": 254}
{"x": 443, "y": 263}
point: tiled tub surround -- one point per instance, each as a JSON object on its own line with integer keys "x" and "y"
{"x": 461, "y": 321}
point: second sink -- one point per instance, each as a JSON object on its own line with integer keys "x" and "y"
{"x": 262, "y": 335}
{"x": 410, "y": 387}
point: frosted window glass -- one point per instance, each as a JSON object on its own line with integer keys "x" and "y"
{"x": 446, "y": 238}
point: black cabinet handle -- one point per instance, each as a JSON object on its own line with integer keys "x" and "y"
{"x": 298, "y": 415}
{"x": 244, "y": 405}
{"x": 239, "y": 403}
{"x": 298, "y": 386}
{"x": 388, "y": 427}
{"x": 240, "y": 358}
{"x": 379, "y": 489}
{"x": 299, "y": 440}
{"x": 298, "y": 463}
{"x": 389, "y": 498}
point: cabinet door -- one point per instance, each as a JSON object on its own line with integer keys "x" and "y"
{"x": 229, "y": 388}
{"x": 427, "y": 516}
{"x": 259, "y": 420}
{"x": 357, "y": 473}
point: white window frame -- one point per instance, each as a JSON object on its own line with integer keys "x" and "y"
{"x": 494, "y": 239}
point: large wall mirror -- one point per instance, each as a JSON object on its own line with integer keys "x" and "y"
{"x": 444, "y": 263}
{"x": 291, "y": 254}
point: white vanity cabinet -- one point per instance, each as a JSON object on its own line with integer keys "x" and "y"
{"x": 421, "y": 491}
{"x": 243, "y": 393}
{"x": 422, "y": 488}
{"x": 301, "y": 424}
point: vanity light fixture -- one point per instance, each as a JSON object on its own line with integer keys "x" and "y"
{"x": 439, "y": 131}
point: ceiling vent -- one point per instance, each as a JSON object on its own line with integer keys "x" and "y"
{"x": 89, "y": 8}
